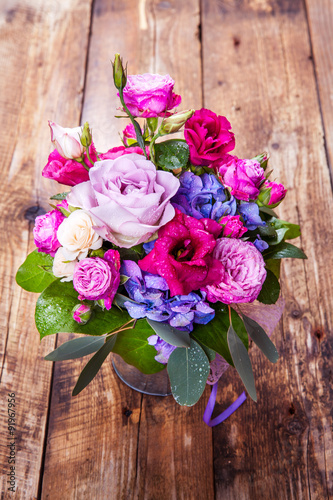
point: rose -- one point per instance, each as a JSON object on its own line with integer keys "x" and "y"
{"x": 81, "y": 313}
{"x": 277, "y": 193}
{"x": 98, "y": 278}
{"x": 68, "y": 172}
{"x": 208, "y": 136}
{"x": 114, "y": 153}
{"x": 129, "y": 134}
{"x": 67, "y": 140}
{"x": 244, "y": 272}
{"x": 243, "y": 177}
{"x": 182, "y": 254}
{"x": 128, "y": 199}
{"x": 45, "y": 232}
{"x": 150, "y": 95}
{"x": 232, "y": 226}
{"x": 62, "y": 268}
{"x": 77, "y": 236}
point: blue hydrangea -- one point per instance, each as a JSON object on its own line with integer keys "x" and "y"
{"x": 150, "y": 299}
{"x": 250, "y": 215}
{"x": 203, "y": 196}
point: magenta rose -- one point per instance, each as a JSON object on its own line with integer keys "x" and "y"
{"x": 129, "y": 134}
{"x": 244, "y": 272}
{"x": 68, "y": 172}
{"x": 127, "y": 197}
{"x": 182, "y": 254}
{"x": 278, "y": 192}
{"x": 150, "y": 95}
{"x": 243, "y": 177}
{"x": 232, "y": 226}
{"x": 81, "y": 314}
{"x": 98, "y": 278}
{"x": 114, "y": 153}
{"x": 45, "y": 232}
{"x": 208, "y": 137}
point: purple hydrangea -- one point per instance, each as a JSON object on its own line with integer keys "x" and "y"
{"x": 203, "y": 196}
{"x": 150, "y": 298}
{"x": 250, "y": 214}
{"x": 163, "y": 348}
{"x": 260, "y": 244}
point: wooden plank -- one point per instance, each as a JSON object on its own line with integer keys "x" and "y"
{"x": 257, "y": 72}
{"x": 320, "y": 20}
{"x": 37, "y": 55}
{"x": 160, "y": 450}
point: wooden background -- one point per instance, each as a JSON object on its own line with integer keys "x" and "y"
{"x": 268, "y": 66}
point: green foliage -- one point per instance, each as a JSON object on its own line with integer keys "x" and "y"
{"x": 76, "y": 348}
{"x": 170, "y": 334}
{"x": 60, "y": 196}
{"x": 171, "y": 154}
{"x": 283, "y": 251}
{"x": 188, "y": 369}
{"x": 54, "y": 313}
{"x": 34, "y": 275}
{"x": 260, "y": 337}
{"x": 270, "y": 290}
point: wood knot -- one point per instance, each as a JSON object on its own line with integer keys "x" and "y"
{"x": 275, "y": 145}
{"x": 318, "y": 333}
{"x": 127, "y": 412}
{"x": 236, "y": 41}
{"x": 292, "y": 409}
{"x": 295, "y": 426}
{"x": 296, "y": 313}
{"x": 32, "y": 212}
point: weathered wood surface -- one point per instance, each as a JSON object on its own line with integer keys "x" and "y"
{"x": 253, "y": 64}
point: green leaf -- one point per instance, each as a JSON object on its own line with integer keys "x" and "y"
{"x": 260, "y": 337}
{"x": 267, "y": 211}
{"x": 283, "y": 251}
{"x": 133, "y": 347}
{"x": 129, "y": 254}
{"x": 292, "y": 230}
{"x": 170, "y": 334}
{"x": 274, "y": 265}
{"x": 188, "y": 369}
{"x": 54, "y": 313}
{"x": 242, "y": 362}
{"x": 120, "y": 300}
{"x": 32, "y": 276}
{"x": 139, "y": 137}
{"x": 93, "y": 365}
{"x": 270, "y": 290}
{"x": 214, "y": 335}
{"x": 172, "y": 154}
{"x": 209, "y": 352}
{"x": 60, "y": 196}
{"x": 76, "y": 348}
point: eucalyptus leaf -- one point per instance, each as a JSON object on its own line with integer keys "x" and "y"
{"x": 260, "y": 337}
{"x": 133, "y": 347}
{"x": 76, "y": 348}
{"x": 172, "y": 154}
{"x": 60, "y": 196}
{"x": 188, "y": 369}
{"x": 170, "y": 334}
{"x": 283, "y": 251}
{"x": 54, "y": 313}
{"x": 92, "y": 367}
{"x": 270, "y": 289}
{"x": 242, "y": 362}
{"x": 211, "y": 355}
{"x": 34, "y": 275}
{"x": 120, "y": 300}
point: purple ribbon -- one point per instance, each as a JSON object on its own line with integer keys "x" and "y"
{"x": 226, "y": 413}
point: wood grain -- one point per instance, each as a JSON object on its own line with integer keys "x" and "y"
{"x": 37, "y": 56}
{"x": 258, "y": 72}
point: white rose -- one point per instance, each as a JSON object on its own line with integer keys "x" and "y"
{"x": 77, "y": 236}
{"x": 67, "y": 140}
{"x": 61, "y": 267}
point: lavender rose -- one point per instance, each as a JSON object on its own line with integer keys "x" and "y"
{"x": 208, "y": 136}
{"x": 128, "y": 199}
{"x": 45, "y": 232}
{"x": 150, "y": 95}
{"x": 98, "y": 279}
{"x": 244, "y": 272}
{"x": 243, "y": 177}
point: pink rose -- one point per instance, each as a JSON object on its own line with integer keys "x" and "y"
{"x": 278, "y": 192}
{"x": 67, "y": 140}
{"x": 81, "y": 314}
{"x": 150, "y": 95}
{"x": 232, "y": 226}
{"x": 244, "y": 177}
{"x": 127, "y": 197}
{"x": 114, "y": 153}
{"x": 208, "y": 136}
{"x": 129, "y": 133}
{"x": 182, "y": 254}
{"x": 68, "y": 172}
{"x": 98, "y": 279}
{"x": 45, "y": 232}
{"x": 244, "y": 272}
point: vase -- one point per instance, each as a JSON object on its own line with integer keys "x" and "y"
{"x": 156, "y": 384}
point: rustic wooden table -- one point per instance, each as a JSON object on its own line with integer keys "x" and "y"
{"x": 268, "y": 66}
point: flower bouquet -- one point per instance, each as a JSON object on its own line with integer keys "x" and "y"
{"x": 165, "y": 251}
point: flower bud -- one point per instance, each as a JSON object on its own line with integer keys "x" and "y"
{"x": 119, "y": 73}
{"x": 175, "y": 122}
{"x": 262, "y": 159}
{"x": 152, "y": 124}
{"x": 67, "y": 141}
{"x": 272, "y": 194}
{"x": 81, "y": 314}
{"x": 86, "y": 138}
